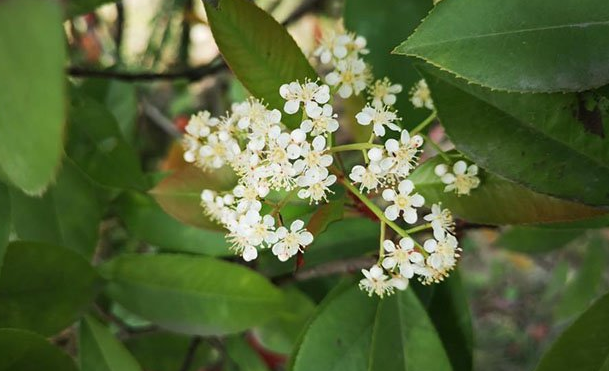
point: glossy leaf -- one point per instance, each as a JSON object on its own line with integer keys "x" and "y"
{"x": 180, "y": 194}
{"x": 192, "y": 294}
{"x": 356, "y": 332}
{"x": 36, "y": 276}
{"x": 325, "y": 215}
{"x": 96, "y": 145}
{"x": 258, "y": 50}
{"x": 536, "y": 240}
{"x": 32, "y": 99}
{"x": 533, "y": 139}
{"x": 147, "y": 221}
{"x": 27, "y": 351}
{"x": 525, "y": 46}
{"x": 496, "y": 200}
{"x": 100, "y": 350}
{"x": 584, "y": 345}
{"x": 280, "y": 334}
{"x": 385, "y": 27}
{"x": 68, "y": 214}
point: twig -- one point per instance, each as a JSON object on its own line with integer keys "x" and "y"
{"x": 157, "y": 117}
{"x": 190, "y": 353}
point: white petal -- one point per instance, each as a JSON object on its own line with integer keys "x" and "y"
{"x": 388, "y": 245}
{"x": 363, "y": 118}
{"x": 319, "y": 143}
{"x": 460, "y": 167}
{"x": 430, "y": 245}
{"x": 313, "y": 110}
{"x": 291, "y": 106}
{"x": 448, "y": 178}
{"x": 345, "y": 91}
{"x": 375, "y": 154}
{"x": 417, "y": 200}
{"x": 405, "y": 186}
{"x": 389, "y": 263}
{"x": 305, "y": 238}
{"x": 392, "y": 212}
{"x": 250, "y": 253}
{"x": 441, "y": 169}
{"x": 296, "y": 225}
{"x": 392, "y": 145}
{"x": 406, "y": 243}
{"x": 332, "y": 78}
{"x": 389, "y": 195}
{"x": 410, "y": 215}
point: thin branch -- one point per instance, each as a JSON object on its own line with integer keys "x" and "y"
{"x": 190, "y": 353}
{"x": 158, "y": 118}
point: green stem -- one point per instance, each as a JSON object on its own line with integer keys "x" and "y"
{"x": 419, "y": 228}
{"x": 436, "y": 147}
{"x": 354, "y": 147}
{"x": 284, "y": 201}
{"x": 382, "y": 239}
{"x": 424, "y": 124}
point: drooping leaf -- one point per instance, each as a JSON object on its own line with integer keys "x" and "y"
{"x": 32, "y": 99}
{"x": 385, "y": 27}
{"x": 27, "y": 351}
{"x": 584, "y": 346}
{"x": 166, "y": 351}
{"x": 44, "y": 288}
{"x": 356, "y": 332}
{"x": 496, "y": 200}
{"x": 258, "y": 50}
{"x": 180, "y": 194}
{"x": 96, "y": 144}
{"x": 533, "y": 139}
{"x": 583, "y": 288}
{"x": 280, "y": 334}
{"x": 68, "y": 214}
{"x": 536, "y": 240}
{"x": 523, "y": 48}
{"x": 326, "y": 215}
{"x": 146, "y": 220}
{"x": 192, "y": 294}
{"x": 99, "y": 350}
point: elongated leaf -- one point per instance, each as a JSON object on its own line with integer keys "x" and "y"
{"x": 27, "y": 351}
{"x": 32, "y": 99}
{"x": 538, "y": 140}
{"x": 192, "y": 295}
{"x": 67, "y": 215}
{"x": 584, "y": 346}
{"x": 537, "y": 240}
{"x": 523, "y": 48}
{"x": 99, "y": 350}
{"x": 97, "y": 146}
{"x": 496, "y": 200}
{"x": 355, "y": 332}
{"x": 147, "y": 221}
{"x": 180, "y": 194}
{"x": 36, "y": 276}
{"x": 258, "y": 50}
{"x": 384, "y": 27}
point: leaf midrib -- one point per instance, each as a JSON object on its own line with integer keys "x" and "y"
{"x": 509, "y": 32}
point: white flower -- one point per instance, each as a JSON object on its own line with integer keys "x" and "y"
{"x": 403, "y": 201}
{"x": 402, "y": 256}
{"x": 383, "y": 92}
{"x": 443, "y": 253}
{"x": 379, "y": 117}
{"x": 464, "y": 179}
{"x": 441, "y": 220}
{"x": 309, "y": 94}
{"x": 350, "y": 76}
{"x": 315, "y": 183}
{"x": 219, "y": 149}
{"x": 420, "y": 96}
{"x": 324, "y": 124}
{"x": 337, "y": 46}
{"x": 291, "y": 241}
{"x": 402, "y": 155}
{"x": 313, "y": 155}
{"x": 369, "y": 177}
{"x": 375, "y": 282}
{"x": 200, "y": 124}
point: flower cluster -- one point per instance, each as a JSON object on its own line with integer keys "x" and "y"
{"x": 462, "y": 180}
{"x": 420, "y": 96}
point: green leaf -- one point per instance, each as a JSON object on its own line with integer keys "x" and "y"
{"x": 27, "y": 351}
{"x": 5, "y": 220}
{"x": 533, "y": 139}
{"x": 99, "y": 350}
{"x": 68, "y": 214}
{"x": 449, "y": 311}
{"x": 280, "y": 334}
{"x": 180, "y": 194}
{"x": 36, "y": 276}
{"x": 356, "y": 332}
{"x": 258, "y": 50}
{"x": 241, "y": 355}
{"x": 97, "y": 146}
{"x": 384, "y": 27}
{"x": 147, "y": 221}
{"x": 511, "y": 203}
{"x": 584, "y": 346}
{"x": 326, "y": 215}
{"x": 192, "y": 294}
{"x": 583, "y": 288}
{"x": 32, "y": 99}
{"x": 166, "y": 351}
{"x": 534, "y": 240}
{"x": 525, "y": 46}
